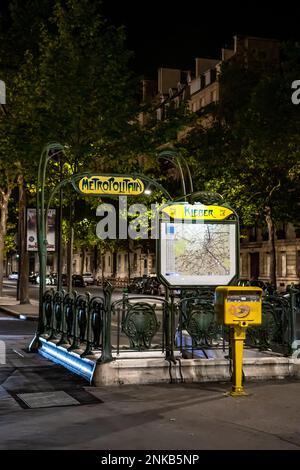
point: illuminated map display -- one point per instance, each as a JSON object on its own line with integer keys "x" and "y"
{"x": 198, "y": 253}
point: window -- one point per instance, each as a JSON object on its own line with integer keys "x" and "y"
{"x": 281, "y": 232}
{"x": 298, "y": 264}
{"x": 252, "y": 234}
{"x": 152, "y": 264}
{"x": 268, "y": 264}
{"x": 282, "y": 262}
{"x": 207, "y": 78}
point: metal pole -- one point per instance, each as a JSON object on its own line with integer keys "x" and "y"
{"x": 59, "y": 235}
{"x": 170, "y": 156}
{"x": 42, "y": 236}
{"x": 70, "y": 249}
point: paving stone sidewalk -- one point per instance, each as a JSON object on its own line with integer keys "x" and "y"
{"x": 12, "y": 307}
{"x": 43, "y": 406}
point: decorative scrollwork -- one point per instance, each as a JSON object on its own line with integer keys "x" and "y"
{"x": 48, "y": 308}
{"x": 275, "y": 321}
{"x": 82, "y": 317}
{"x": 140, "y": 325}
{"x": 200, "y": 323}
{"x": 96, "y": 321}
{"x": 58, "y": 307}
{"x": 69, "y": 314}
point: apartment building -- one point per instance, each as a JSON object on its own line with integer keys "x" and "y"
{"x": 201, "y": 88}
{"x": 255, "y": 255}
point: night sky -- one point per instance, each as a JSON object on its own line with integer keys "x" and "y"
{"x": 172, "y": 33}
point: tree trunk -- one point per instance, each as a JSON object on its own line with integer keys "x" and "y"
{"x": 128, "y": 260}
{"x": 70, "y": 248}
{"x": 4, "y": 198}
{"x": 129, "y": 267}
{"x": 102, "y": 268}
{"x": 23, "y": 281}
{"x": 95, "y": 261}
{"x": 271, "y": 232}
{"x": 82, "y": 266}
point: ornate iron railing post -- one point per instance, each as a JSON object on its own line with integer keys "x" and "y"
{"x": 124, "y": 303}
{"x": 88, "y": 349}
{"x": 106, "y": 355}
{"x": 170, "y": 335}
{"x": 293, "y": 330}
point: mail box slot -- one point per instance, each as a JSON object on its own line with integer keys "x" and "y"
{"x": 237, "y": 305}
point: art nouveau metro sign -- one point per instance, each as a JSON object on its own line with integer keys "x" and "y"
{"x": 110, "y": 185}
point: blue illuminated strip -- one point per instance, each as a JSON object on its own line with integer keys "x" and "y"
{"x": 68, "y": 359}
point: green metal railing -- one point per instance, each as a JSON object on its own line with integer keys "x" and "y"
{"x": 96, "y": 325}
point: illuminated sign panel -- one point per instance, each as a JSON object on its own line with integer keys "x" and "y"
{"x": 111, "y": 185}
{"x": 197, "y": 246}
{"x": 197, "y": 212}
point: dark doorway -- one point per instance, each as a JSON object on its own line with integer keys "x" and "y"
{"x": 254, "y": 265}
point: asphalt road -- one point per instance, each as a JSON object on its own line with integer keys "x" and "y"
{"x": 10, "y": 289}
{"x": 44, "y": 406}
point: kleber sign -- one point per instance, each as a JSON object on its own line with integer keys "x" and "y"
{"x": 111, "y": 185}
{"x": 197, "y": 212}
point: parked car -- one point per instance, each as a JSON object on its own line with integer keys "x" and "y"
{"x": 136, "y": 285}
{"x": 152, "y": 286}
{"x": 88, "y": 279}
{"x": 48, "y": 280}
{"x": 78, "y": 281}
{"x": 32, "y": 277}
{"x": 13, "y": 276}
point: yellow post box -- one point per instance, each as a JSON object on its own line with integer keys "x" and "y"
{"x": 238, "y": 307}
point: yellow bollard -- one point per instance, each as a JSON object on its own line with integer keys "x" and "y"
{"x": 238, "y": 307}
{"x": 238, "y": 339}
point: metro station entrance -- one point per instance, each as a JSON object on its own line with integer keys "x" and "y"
{"x": 113, "y": 337}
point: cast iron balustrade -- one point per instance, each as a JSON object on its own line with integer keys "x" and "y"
{"x": 137, "y": 324}
{"x": 95, "y": 324}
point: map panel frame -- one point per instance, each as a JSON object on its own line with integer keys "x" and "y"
{"x": 187, "y": 281}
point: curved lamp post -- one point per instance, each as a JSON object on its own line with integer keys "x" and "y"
{"x": 177, "y": 160}
{"x": 49, "y": 151}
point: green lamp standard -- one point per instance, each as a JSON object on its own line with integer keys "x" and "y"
{"x": 180, "y": 162}
{"x": 49, "y": 151}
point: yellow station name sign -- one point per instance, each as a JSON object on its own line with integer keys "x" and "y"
{"x": 197, "y": 212}
{"x": 111, "y": 185}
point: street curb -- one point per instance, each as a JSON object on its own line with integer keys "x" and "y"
{"x": 13, "y": 313}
